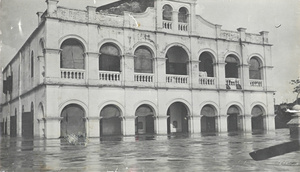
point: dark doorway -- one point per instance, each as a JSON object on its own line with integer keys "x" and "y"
{"x": 232, "y": 119}
{"x": 110, "y": 123}
{"x": 178, "y": 118}
{"x": 73, "y": 121}
{"x": 257, "y": 120}
{"x": 27, "y": 124}
{"x": 208, "y": 120}
{"x": 13, "y": 126}
{"x": 144, "y": 120}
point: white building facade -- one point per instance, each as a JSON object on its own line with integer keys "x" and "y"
{"x": 137, "y": 67}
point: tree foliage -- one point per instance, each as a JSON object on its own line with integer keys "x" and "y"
{"x": 296, "y": 88}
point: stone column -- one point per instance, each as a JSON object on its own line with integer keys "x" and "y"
{"x": 221, "y": 75}
{"x": 52, "y": 63}
{"x": 222, "y": 123}
{"x": 194, "y": 76}
{"x": 52, "y": 128}
{"x": 161, "y": 71}
{"x": 93, "y": 126}
{"x": 128, "y": 125}
{"x": 269, "y": 122}
{"x": 195, "y": 124}
{"x": 128, "y": 69}
{"x": 161, "y": 122}
{"x": 92, "y": 67}
{"x": 247, "y": 123}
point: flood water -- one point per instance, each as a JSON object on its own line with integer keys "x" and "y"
{"x": 180, "y": 152}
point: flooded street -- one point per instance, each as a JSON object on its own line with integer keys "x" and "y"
{"x": 222, "y": 152}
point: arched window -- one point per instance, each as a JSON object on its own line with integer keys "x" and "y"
{"x": 177, "y": 61}
{"x": 206, "y": 65}
{"x": 183, "y": 15}
{"x": 231, "y": 67}
{"x": 109, "y": 59}
{"x": 167, "y": 12}
{"x": 72, "y": 55}
{"x": 208, "y": 119}
{"x": 143, "y": 60}
{"x": 32, "y": 64}
{"x": 254, "y": 69}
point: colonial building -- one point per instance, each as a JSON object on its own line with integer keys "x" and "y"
{"x": 137, "y": 67}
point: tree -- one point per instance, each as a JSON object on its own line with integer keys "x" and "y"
{"x": 296, "y": 88}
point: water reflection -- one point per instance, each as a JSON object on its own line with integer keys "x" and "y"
{"x": 174, "y": 152}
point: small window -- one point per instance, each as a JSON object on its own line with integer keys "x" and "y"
{"x": 231, "y": 67}
{"x": 109, "y": 59}
{"x": 32, "y": 64}
{"x": 72, "y": 55}
{"x": 254, "y": 69}
{"x": 143, "y": 60}
{"x": 167, "y": 12}
{"x": 183, "y": 15}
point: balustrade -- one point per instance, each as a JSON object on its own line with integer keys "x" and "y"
{"x": 256, "y": 83}
{"x": 109, "y": 76}
{"x": 178, "y": 79}
{"x": 167, "y": 24}
{"x": 142, "y": 77}
{"x": 233, "y": 81}
{"x": 207, "y": 81}
{"x": 182, "y": 26}
{"x": 72, "y": 73}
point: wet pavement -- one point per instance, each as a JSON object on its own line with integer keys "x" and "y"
{"x": 180, "y": 152}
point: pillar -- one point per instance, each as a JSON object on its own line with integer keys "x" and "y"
{"x": 128, "y": 69}
{"x": 128, "y": 125}
{"x": 161, "y": 71}
{"x": 93, "y": 129}
{"x": 222, "y": 123}
{"x": 247, "y": 123}
{"x": 195, "y": 124}
{"x": 161, "y": 125}
{"x": 52, "y": 128}
{"x": 270, "y": 122}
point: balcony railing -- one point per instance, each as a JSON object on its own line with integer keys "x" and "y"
{"x": 143, "y": 77}
{"x": 233, "y": 81}
{"x": 178, "y": 79}
{"x": 167, "y": 24}
{"x": 207, "y": 81}
{"x": 109, "y": 76}
{"x": 182, "y": 26}
{"x": 256, "y": 83}
{"x": 72, "y": 73}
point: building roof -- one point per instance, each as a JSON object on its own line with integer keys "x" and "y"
{"x": 118, "y": 7}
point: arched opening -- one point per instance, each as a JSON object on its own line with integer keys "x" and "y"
{"x": 177, "y": 61}
{"x": 257, "y": 119}
{"x": 208, "y": 120}
{"x": 13, "y": 124}
{"x": 206, "y": 65}
{"x": 72, "y": 54}
{"x": 110, "y": 122}
{"x": 183, "y": 15}
{"x": 143, "y": 60}
{"x": 255, "y": 69}
{"x": 177, "y": 118}
{"x": 144, "y": 121}
{"x": 32, "y": 64}
{"x": 73, "y": 121}
{"x": 233, "y": 113}
{"x": 167, "y": 12}
{"x": 27, "y": 122}
{"x": 41, "y": 123}
{"x": 109, "y": 59}
{"x": 231, "y": 67}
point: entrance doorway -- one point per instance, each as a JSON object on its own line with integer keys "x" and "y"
{"x": 73, "y": 121}
{"x": 177, "y": 118}
{"x": 110, "y": 122}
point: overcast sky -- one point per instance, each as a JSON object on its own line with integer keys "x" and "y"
{"x": 255, "y": 15}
